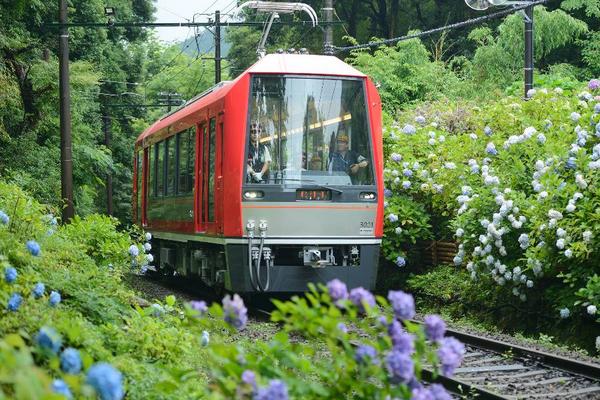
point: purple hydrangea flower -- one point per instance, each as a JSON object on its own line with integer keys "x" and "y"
{"x": 435, "y": 328}
{"x": 400, "y": 366}
{"x": 393, "y": 218}
{"x": 409, "y": 129}
{"x": 14, "y": 302}
{"x": 400, "y": 261}
{"x": 594, "y": 84}
{"x": 401, "y": 340}
{"x": 235, "y": 312}
{"x": 491, "y": 149}
{"x": 38, "y": 290}
{"x": 60, "y": 387}
{"x": 396, "y": 157}
{"x": 249, "y": 378}
{"x": 402, "y": 303}
{"x": 407, "y": 172}
{"x": 387, "y": 193}
{"x": 342, "y": 327}
{"x": 337, "y": 290}
{"x": 450, "y": 354}
{"x": 438, "y": 392}
{"x": 70, "y": 361}
{"x": 48, "y": 339}
{"x": 54, "y": 298}
{"x": 33, "y": 247}
{"x": 365, "y": 353}
{"x": 4, "y": 218}
{"x": 406, "y": 184}
{"x": 106, "y": 380}
{"x": 277, "y": 390}
{"x": 10, "y": 274}
{"x": 360, "y": 297}
{"x": 488, "y": 131}
{"x": 199, "y": 306}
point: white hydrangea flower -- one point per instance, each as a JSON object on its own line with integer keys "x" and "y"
{"x": 570, "y": 208}
{"x": 555, "y": 214}
{"x": 523, "y": 297}
{"x": 564, "y": 313}
{"x": 431, "y": 142}
{"x": 501, "y": 281}
{"x": 543, "y": 195}
{"x": 560, "y": 244}
{"x": 147, "y": 246}
{"x": 398, "y": 230}
{"x": 529, "y": 283}
{"x": 561, "y": 233}
{"x": 580, "y": 181}
{"x": 460, "y": 232}
{"x": 591, "y": 309}
{"x": 598, "y": 343}
{"x": 568, "y": 253}
{"x": 587, "y": 236}
{"x": 442, "y": 139}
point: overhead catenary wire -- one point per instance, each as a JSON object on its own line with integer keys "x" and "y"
{"x": 468, "y": 22}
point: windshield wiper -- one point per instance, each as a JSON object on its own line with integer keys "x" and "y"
{"x": 315, "y": 183}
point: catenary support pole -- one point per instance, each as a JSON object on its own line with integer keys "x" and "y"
{"x": 66, "y": 159}
{"x": 528, "y": 49}
{"x": 217, "y": 46}
{"x": 328, "y": 32}
{"x": 109, "y": 180}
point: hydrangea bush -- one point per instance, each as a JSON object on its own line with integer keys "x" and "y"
{"x": 332, "y": 342}
{"x": 517, "y": 184}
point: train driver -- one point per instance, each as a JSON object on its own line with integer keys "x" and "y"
{"x": 344, "y": 159}
{"x": 259, "y": 157}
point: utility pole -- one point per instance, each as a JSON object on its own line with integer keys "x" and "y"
{"x": 217, "y": 46}
{"x": 66, "y": 158}
{"x": 109, "y": 181}
{"x": 328, "y": 32}
{"x": 528, "y": 71}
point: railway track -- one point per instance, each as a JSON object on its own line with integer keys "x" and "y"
{"x": 496, "y": 370}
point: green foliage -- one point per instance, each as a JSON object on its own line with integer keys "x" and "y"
{"x": 499, "y": 58}
{"x": 591, "y": 7}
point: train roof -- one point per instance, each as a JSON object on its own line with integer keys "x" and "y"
{"x": 292, "y": 64}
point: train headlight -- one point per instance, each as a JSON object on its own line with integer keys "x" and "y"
{"x": 367, "y": 196}
{"x": 253, "y": 194}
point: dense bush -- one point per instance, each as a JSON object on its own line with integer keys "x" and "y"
{"x": 518, "y": 181}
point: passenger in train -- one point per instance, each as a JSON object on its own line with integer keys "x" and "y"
{"x": 259, "y": 157}
{"x": 344, "y": 159}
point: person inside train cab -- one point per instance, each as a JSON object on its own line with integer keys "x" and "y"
{"x": 259, "y": 157}
{"x": 344, "y": 159}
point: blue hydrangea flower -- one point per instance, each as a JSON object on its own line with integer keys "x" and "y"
{"x": 134, "y": 251}
{"x": 575, "y": 116}
{"x": 387, "y": 193}
{"x": 277, "y": 390}
{"x": 54, "y": 298}
{"x": 419, "y": 119}
{"x": 396, "y": 157}
{"x": 4, "y": 218}
{"x": 148, "y": 236}
{"x": 407, "y": 172}
{"x": 38, "y": 290}
{"x": 400, "y": 366}
{"x": 204, "y": 339}
{"x": 33, "y": 247}
{"x": 400, "y": 261}
{"x": 491, "y": 149}
{"x": 147, "y": 247}
{"x": 342, "y": 327}
{"x": 70, "y": 361}
{"x": 337, "y": 290}
{"x": 450, "y": 354}
{"x": 433, "y": 392}
{"x": 249, "y": 378}
{"x": 48, "y": 339}
{"x": 106, "y": 380}
{"x": 406, "y": 184}
{"x": 14, "y": 302}
{"x": 235, "y": 312}
{"x": 60, "y": 387}
{"x": 360, "y": 297}
{"x": 10, "y": 274}
{"x": 488, "y": 131}
{"x": 402, "y": 303}
{"x": 401, "y": 340}
{"x": 409, "y": 129}
{"x": 565, "y": 313}
{"x": 571, "y": 163}
{"x": 199, "y": 306}
{"x": 393, "y": 218}
{"x": 365, "y": 353}
{"x": 435, "y": 328}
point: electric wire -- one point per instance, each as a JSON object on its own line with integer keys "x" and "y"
{"x": 440, "y": 29}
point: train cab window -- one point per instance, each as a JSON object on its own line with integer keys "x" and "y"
{"x": 170, "y": 161}
{"x": 160, "y": 170}
{"x": 312, "y": 130}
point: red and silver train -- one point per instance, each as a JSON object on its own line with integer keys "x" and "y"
{"x": 270, "y": 181}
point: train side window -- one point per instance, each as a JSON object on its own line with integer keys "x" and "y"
{"x": 151, "y": 172}
{"x": 160, "y": 170}
{"x": 191, "y": 175}
{"x": 212, "y": 132}
{"x": 182, "y": 155}
{"x": 170, "y": 161}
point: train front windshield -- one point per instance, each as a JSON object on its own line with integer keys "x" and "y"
{"x": 306, "y": 130}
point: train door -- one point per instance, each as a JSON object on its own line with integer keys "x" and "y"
{"x": 210, "y": 176}
{"x": 219, "y": 199}
{"x": 201, "y": 142}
